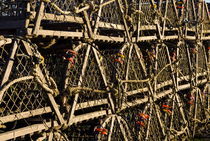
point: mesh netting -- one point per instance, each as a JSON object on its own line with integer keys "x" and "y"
{"x": 4, "y": 56}
{"x": 147, "y": 16}
{"x": 21, "y": 97}
{"x": 26, "y": 94}
{"x": 183, "y": 64}
{"x": 110, "y": 14}
{"x": 202, "y": 66}
{"x": 162, "y": 62}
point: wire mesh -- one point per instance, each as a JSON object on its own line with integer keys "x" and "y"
{"x": 23, "y": 96}
{"x": 163, "y": 60}
{"x": 4, "y": 55}
{"x": 110, "y": 14}
{"x": 183, "y": 61}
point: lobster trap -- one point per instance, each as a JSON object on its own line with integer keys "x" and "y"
{"x": 103, "y": 69}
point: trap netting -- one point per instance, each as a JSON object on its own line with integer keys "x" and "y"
{"x": 22, "y": 96}
{"x": 4, "y": 55}
{"x": 80, "y": 76}
{"x": 183, "y": 65}
{"x": 163, "y": 71}
{"x": 109, "y": 14}
{"x": 202, "y": 59}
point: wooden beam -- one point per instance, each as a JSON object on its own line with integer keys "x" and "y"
{"x": 104, "y": 79}
{"x": 84, "y": 66}
{"x": 27, "y": 114}
{"x": 110, "y": 26}
{"x": 161, "y": 85}
{"x": 88, "y": 25}
{"x": 111, "y": 128}
{"x": 165, "y": 15}
{"x": 26, "y": 130}
{"x": 125, "y": 137}
{"x": 89, "y": 104}
{"x": 79, "y": 20}
{"x": 88, "y": 116}
{"x": 64, "y": 18}
{"x": 96, "y": 25}
{"x": 56, "y": 33}
{"x": 119, "y": 2}
{"x": 9, "y": 64}
{"x": 5, "y": 41}
{"x": 158, "y": 95}
{"x": 39, "y": 16}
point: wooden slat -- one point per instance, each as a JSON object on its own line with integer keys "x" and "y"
{"x": 89, "y": 116}
{"x": 5, "y": 41}
{"x": 57, "y": 33}
{"x": 110, "y": 26}
{"x": 9, "y": 64}
{"x": 205, "y": 38}
{"x": 26, "y": 114}
{"x": 146, "y": 38}
{"x": 79, "y": 20}
{"x": 26, "y": 130}
{"x": 172, "y": 37}
{"x": 74, "y": 34}
{"x": 91, "y": 104}
{"x": 109, "y": 38}
{"x": 158, "y": 95}
{"x": 136, "y": 91}
{"x": 64, "y": 18}
{"x": 190, "y": 37}
{"x": 39, "y": 18}
{"x": 161, "y": 85}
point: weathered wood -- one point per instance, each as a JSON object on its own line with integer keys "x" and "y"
{"x": 90, "y": 104}
{"x": 111, "y": 128}
{"x": 26, "y": 130}
{"x": 9, "y": 64}
{"x": 54, "y": 17}
{"x": 56, "y": 33}
{"x": 88, "y": 24}
{"x": 88, "y": 116}
{"x": 73, "y": 89}
{"x": 207, "y": 10}
{"x": 119, "y": 2}
{"x": 5, "y": 41}
{"x": 85, "y": 63}
{"x": 125, "y": 136}
{"x": 158, "y": 95}
{"x": 39, "y": 18}
{"x": 98, "y": 19}
{"x": 79, "y": 20}
{"x": 104, "y": 79}
{"x": 27, "y": 114}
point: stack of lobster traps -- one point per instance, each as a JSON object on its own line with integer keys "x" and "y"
{"x": 104, "y": 69}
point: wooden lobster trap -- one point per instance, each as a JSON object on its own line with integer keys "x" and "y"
{"x": 103, "y": 69}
